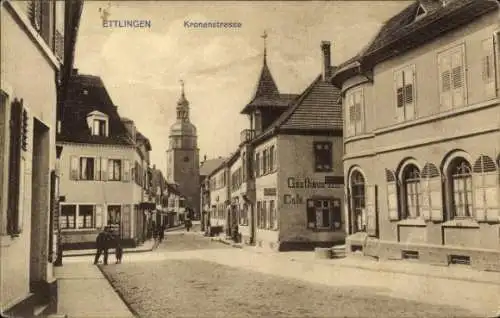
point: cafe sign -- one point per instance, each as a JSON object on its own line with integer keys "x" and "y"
{"x": 269, "y": 192}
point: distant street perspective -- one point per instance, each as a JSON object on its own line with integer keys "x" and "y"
{"x": 192, "y": 276}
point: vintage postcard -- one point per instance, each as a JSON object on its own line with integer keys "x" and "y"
{"x": 250, "y": 158}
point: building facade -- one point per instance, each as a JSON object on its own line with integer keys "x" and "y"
{"x": 104, "y": 168}
{"x": 37, "y": 51}
{"x": 207, "y": 166}
{"x": 183, "y": 163}
{"x": 422, "y": 143}
{"x": 284, "y": 186}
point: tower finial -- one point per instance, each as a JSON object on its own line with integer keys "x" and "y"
{"x": 182, "y": 87}
{"x": 264, "y": 36}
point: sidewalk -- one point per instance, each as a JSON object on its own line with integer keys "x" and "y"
{"x": 455, "y": 272}
{"x": 147, "y": 246}
{"x": 85, "y": 292}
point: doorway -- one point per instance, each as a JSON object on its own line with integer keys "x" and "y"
{"x": 40, "y": 204}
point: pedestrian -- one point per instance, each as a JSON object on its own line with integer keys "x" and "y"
{"x": 102, "y": 245}
{"x": 188, "y": 224}
{"x": 118, "y": 250}
{"x": 161, "y": 234}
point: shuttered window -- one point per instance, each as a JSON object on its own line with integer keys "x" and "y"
{"x": 431, "y": 188}
{"x": 323, "y": 157}
{"x": 488, "y": 67}
{"x": 452, "y": 84}
{"x": 13, "y": 194}
{"x": 405, "y": 93}
{"x": 357, "y": 201}
{"x": 355, "y": 123}
{"x": 486, "y": 185}
{"x": 392, "y": 195}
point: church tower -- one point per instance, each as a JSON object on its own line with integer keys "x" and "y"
{"x": 183, "y": 164}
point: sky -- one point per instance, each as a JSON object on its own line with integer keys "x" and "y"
{"x": 142, "y": 67}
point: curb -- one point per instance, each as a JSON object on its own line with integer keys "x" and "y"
{"x": 396, "y": 271}
{"x": 129, "y": 307}
{"x": 110, "y": 253}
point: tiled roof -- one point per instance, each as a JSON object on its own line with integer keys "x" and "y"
{"x": 317, "y": 108}
{"x": 267, "y": 93}
{"x": 209, "y": 165}
{"x": 403, "y": 31}
{"x": 87, "y": 93}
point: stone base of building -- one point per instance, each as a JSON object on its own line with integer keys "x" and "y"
{"x": 41, "y": 302}
{"x": 125, "y": 243}
{"x": 440, "y": 255}
{"x": 288, "y": 246}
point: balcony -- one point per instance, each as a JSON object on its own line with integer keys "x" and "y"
{"x": 246, "y": 135}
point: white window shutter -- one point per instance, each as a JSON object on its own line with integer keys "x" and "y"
{"x": 488, "y": 67}
{"x": 350, "y": 115}
{"x": 104, "y": 169}
{"x": 371, "y": 210}
{"x": 74, "y": 168}
{"x": 444, "y": 67}
{"x": 97, "y": 171}
{"x": 392, "y": 201}
{"x": 110, "y": 170}
{"x": 400, "y": 100}
{"x": 360, "y": 111}
{"x": 486, "y": 196}
{"x": 126, "y": 170}
{"x": 458, "y": 78}
{"x": 479, "y": 199}
{"x": 425, "y": 206}
{"x": 496, "y": 54}
{"x": 436, "y": 199}
{"x": 410, "y": 96}
{"x": 99, "y": 216}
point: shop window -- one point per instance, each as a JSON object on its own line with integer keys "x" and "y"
{"x": 68, "y": 216}
{"x": 86, "y": 217}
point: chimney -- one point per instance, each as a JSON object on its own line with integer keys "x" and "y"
{"x": 327, "y": 62}
{"x": 130, "y": 126}
{"x": 74, "y": 72}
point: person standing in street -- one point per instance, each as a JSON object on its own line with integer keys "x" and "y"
{"x": 161, "y": 233}
{"x": 118, "y": 249}
{"x": 102, "y": 246}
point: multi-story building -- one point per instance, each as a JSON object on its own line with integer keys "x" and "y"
{"x": 422, "y": 136}
{"x": 104, "y": 168}
{"x": 183, "y": 161}
{"x": 288, "y": 181}
{"x": 207, "y": 166}
{"x": 219, "y": 198}
{"x": 37, "y": 51}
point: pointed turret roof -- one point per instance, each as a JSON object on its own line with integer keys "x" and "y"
{"x": 266, "y": 85}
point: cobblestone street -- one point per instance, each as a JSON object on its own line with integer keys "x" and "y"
{"x": 177, "y": 280}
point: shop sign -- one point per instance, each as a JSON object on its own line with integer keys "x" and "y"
{"x": 309, "y": 183}
{"x": 269, "y": 192}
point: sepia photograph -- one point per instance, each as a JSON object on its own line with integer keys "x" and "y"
{"x": 249, "y": 159}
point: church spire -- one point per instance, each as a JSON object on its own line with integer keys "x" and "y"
{"x": 182, "y": 105}
{"x": 264, "y": 36}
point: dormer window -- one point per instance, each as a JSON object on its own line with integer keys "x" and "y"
{"x": 420, "y": 12}
{"x": 98, "y": 124}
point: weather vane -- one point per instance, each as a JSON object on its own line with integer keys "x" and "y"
{"x": 264, "y": 36}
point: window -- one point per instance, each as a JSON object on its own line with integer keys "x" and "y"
{"x": 355, "y": 110}
{"x": 87, "y": 168}
{"x": 68, "y": 216}
{"x": 99, "y": 127}
{"x": 461, "y": 188}
{"x": 264, "y": 161}
{"x": 412, "y": 194}
{"x": 452, "y": 86}
{"x": 259, "y": 215}
{"x": 405, "y": 93}
{"x": 486, "y": 184}
{"x": 272, "y": 215}
{"x": 319, "y": 214}
{"x": 114, "y": 170}
{"x": 257, "y": 164}
{"x": 15, "y": 168}
{"x": 322, "y": 156}
{"x": 358, "y": 201}
{"x": 86, "y": 219}
{"x": 271, "y": 158}
{"x": 114, "y": 214}
{"x": 488, "y": 67}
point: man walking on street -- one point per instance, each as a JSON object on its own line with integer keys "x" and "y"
{"x": 102, "y": 246}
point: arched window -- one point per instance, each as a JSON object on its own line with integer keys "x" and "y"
{"x": 411, "y": 191}
{"x": 460, "y": 174}
{"x": 357, "y": 184}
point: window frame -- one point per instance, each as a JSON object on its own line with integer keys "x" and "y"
{"x": 94, "y": 170}
{"x": 448, "y": 53}
{"x": 352, "y": 128}
{"x": 415, "y": 181}
{"x": 452, "y": 191}
{"x": 320, "y": 210}
{"x": 407, "y": 110}
{"x": 327, "y": 153}
{"x": 110, "y": 161}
